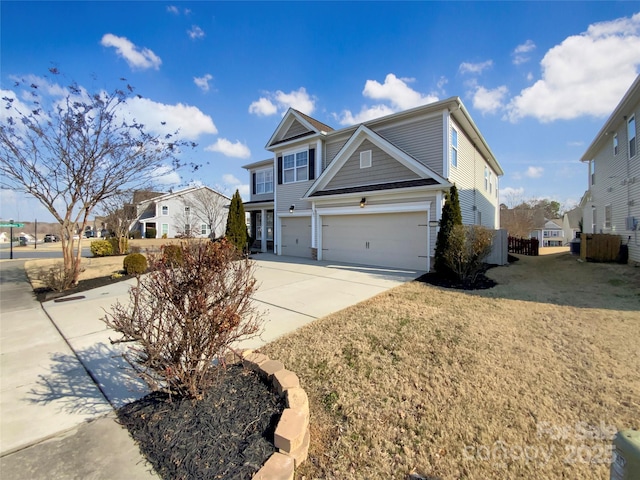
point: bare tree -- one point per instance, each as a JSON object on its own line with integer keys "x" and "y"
{"x": 75, "y": 152}
{"x": 210, "y": 207}
{"x": 119, "y": 212}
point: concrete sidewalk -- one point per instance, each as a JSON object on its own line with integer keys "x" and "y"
{"x": 60, "y": 371}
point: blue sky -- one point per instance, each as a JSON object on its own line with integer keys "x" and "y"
{"x": 539, "y": 78}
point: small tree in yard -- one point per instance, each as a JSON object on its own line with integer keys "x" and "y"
{"x": 451, "y": 216}
{"x": 467, "y": 248}
{"x": 236, "y": 231}
{"x": 73, "y": 149}
{"x": 184, "y": 315}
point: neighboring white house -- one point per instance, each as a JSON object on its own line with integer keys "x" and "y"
{"x": 195, "y": 212}
{"x": 612, "y": 203}
{"x": 371, "y": 193}
{"x": 550, "y": 233}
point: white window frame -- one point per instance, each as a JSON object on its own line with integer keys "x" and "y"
{"x": 631, "y": 135}
{"x": 165, "y": 229}
{"x": 187, "y": 210}
{"x": 297, "y": 166}
{"x": 264, "y": 181}
{"x": 454, "y": 147}
{"x": 164, "y": 209}
{"x": 486, "y": 178}
{"x": 203, "y": 228}
{"x": 608, "y": 214}
{"x": 365, "y": 159}
{"x": 490, "y": 183}
{"x": 615, "y": 144}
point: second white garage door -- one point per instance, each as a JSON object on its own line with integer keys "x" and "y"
{"x": 388, "y": 240}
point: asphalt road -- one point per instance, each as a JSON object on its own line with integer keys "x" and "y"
{"x": 46, "y": 250}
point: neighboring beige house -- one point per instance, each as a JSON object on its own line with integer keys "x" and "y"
{"x": 195, "y": 212}
{"x": 371, "y": 193}
{"x": 612, "y": 203}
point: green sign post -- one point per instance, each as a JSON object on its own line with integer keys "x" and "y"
{"x": 10, "y": 225}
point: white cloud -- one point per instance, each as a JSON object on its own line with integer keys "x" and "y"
{"x": 585, "y": 75}
{"x": 534, "y": 172}
{"x": 281, "y": 101}
{"x": 576, "y": 143}
{"x": 136, "y": 57}
{"x": 489, "y": 101}
{"x": 475, "y": 68}
{"x": 165, "y": 176}
{"x": 511, "y": 196}
{"x": 190, "y": 121}
{"x": 203, "y": 82}
{"x": 520, "y": 52}
{"x": 243, "y": 190}
{"x": 395, "y": 91}
{"x": 230, "y": 179}
{"x": 230, "y": 149}
{"x": 173, "y": 9}
{"x": 195, "y": 33}
{"x": 263, "y": 107}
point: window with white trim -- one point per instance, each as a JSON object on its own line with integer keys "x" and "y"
{"x": 365, "y": 159}
{"x": 486, "y": 178}
{"x": 607, "y": 216}
{"x": 264, "y": 181}
{"x": 165, "y": 210}
{"x": 165, "y": 229}
{"x": 490, "y": 184}
{"x": 454, "y": 147}
{"x": 203, "y": 229}
{"x": 187, "y": 210}
{"x": 615, "y": 143}
{"x": 295, "y": 167}
{"x": 631, "y": 135}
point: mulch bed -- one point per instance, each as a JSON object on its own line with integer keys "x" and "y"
{"x": 44, "y": 294}
{"x": 228, "y": 434}
{"x": 482, "y": 282}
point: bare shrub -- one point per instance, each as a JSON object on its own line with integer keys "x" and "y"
{"x": 55, "y": 278}
{"x": 182, "y": 317}
{"x": 466, "y": 250}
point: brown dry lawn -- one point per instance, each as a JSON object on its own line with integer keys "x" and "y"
{"x": 526, "y": 380}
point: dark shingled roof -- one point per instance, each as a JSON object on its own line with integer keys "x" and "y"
{"x": 380, "y": 186}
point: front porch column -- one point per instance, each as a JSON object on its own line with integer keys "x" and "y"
{"x": 263, "y": 230}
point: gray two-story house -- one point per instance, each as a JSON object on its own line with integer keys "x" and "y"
{"x": 371, "y": 193}
{"x": 612, "y": 203}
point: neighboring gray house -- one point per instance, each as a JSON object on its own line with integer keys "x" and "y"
{"x": 371, "y": 193}
{"x": 571, "y": 224}
{"x": 612, "y": 203}
{"x": 193, "y": 212}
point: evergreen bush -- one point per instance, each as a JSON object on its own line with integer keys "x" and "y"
{"x": 101, "y": 248}
{"x": 135, "y": 264}
{"x": 236, "y": 231}
{"x": 451, "y": 216}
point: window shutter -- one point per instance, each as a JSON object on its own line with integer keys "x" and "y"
{"x": 312, "y": 163}
{"x": 279, "y": 170}
{"x": 253, "y": 181}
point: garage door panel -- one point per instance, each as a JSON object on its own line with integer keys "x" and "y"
{"x": 390, "y": 240}
{"x": 296, "y": 237}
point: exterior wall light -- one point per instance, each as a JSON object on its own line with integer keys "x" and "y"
{"x": 292, "y": 208}
{"x": 363, "y": 202}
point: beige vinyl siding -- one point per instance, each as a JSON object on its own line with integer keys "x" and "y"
{"x": 332, "y": 148}
{"x": 290, "y": 194}
{"x": 294, "y": 130}
{"x": 262, "y": 197}
{"x": 384, "y": 169}
{"x": 469, "y": 179}
{"x": 422, "y": 140}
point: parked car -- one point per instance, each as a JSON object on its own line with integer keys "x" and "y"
{"x": 23, "y": 241}
{"x": 89, "y": 234}
{"x": 50, "y": 237}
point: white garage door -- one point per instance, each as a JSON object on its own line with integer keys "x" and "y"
{"x": 296, "y": 236}
{"x": 388, "y": 240}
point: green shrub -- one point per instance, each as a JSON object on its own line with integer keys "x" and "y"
{"x": 172, "y": 255}
{"x": 120, "y": 245}
{"x": 101, "y": 248}
{"x": 135, "y": 264}
{"x": 150, "y": 233}
{"x": 466, "y": 251}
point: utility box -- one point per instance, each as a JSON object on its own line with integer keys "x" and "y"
{"x": 625, "y": 463}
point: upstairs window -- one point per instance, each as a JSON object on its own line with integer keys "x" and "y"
{"x": 631, "y": 135}
{"x": 607, "y": 216}
{"x": 365, "y": 159}
{"x": 615, "y": 143}
{"x": 187, "y": 210}
{"x": 264, "y": 182}
{"x": 490, "y": 184}
{"x": 486, "y": 178}
{"x": 165, "y": 210}
{"x": 295, "y": 167}
{"x": 454, "y": 147}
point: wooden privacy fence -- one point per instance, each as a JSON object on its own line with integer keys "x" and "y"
{"x": 524, "y": 246}
{"x": 599, "y": 247}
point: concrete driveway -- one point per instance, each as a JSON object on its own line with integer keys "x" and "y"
{"x": 292, "y": 292}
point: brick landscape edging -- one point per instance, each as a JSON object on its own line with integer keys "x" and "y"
{"x": 291, "y": 436}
